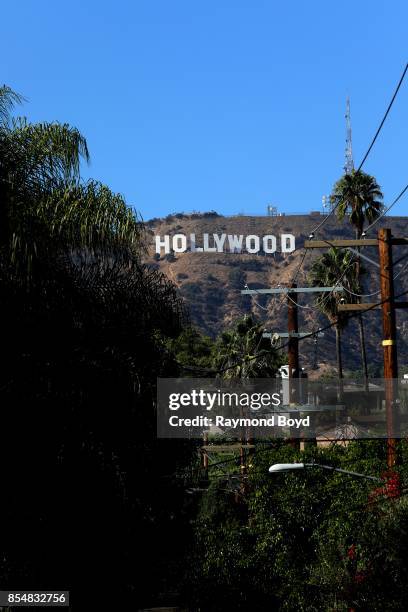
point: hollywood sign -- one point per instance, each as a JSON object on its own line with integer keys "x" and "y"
{"x": 218, "y": 243}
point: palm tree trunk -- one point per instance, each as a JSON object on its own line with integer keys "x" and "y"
{"x": 339, "y": 360}
{"x": 363, "y": 350}
{"x": 361, "y": 323}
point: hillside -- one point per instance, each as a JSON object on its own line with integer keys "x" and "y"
{"x": 211, "y": 282}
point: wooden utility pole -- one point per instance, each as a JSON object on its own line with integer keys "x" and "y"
{"x": 293, "y": 354}
{"x": 385, "y": 242}
{"x": 389, "y": 339}
{"x": 293, "y": 342}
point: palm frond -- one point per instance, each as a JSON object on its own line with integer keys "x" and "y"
{"x": 336, "y": 266}
{"x": 91, "y": 215}
{"x": 8, "y": 100}
{"x": 45, "y": 154}
{"x": 358, "y": 196}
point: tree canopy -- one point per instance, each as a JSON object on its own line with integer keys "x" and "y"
{"x": 359, "y": 197}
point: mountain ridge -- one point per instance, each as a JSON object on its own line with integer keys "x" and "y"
{"x": 210, "y": 283}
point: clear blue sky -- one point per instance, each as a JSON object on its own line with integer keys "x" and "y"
{"x": 216, "y": 104}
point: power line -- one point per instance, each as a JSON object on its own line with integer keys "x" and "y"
{"x": 369, "y": 150}
{"x": 254, "y": 301}
{"x": 401, "y": 271}
{"x": 386, "y": 210}
{"x": 349, "y": 290}
{"x": 311, "y": 334}
{"x": 359, "y": 295}
{"x": 259, "y": 305}
{"x": 314, "y": 333}
{"x": 340, "y": 278}
{"x": 329, "y": 294}
{"x": 259, "y": 293}
{"x": 319, "y": 225}
{"x": 300, "y": 266}
{"x": 384, "y": 118}
{"x": 293, "y": 279}
{"x": 350, "y": 316}
{"x": 321, "y": 329}
{"x": 306, "y": 307}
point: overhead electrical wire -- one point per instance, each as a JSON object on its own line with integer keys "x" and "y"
{"x": 340, "y": 278}
{"x": 372, "y": 144}
{"x": 348, "y": 316}
{"x": 321, "y": 223}
{"x": 401, "y": 271}
{"x": 329, "y": 294}
{"x": 255, "y": 302}
{"x": 282, "y": 302}
{"x": 384, "y": 118}
{"x": 384, "y": 212}
{"x": 369, "y": 150}
{"x": 259, "y": 305}
{"x": 309, "y": 335}
{"x": 306, "y": 307}
{"x": 359, "y": 295}
{"x": 300, "y": 265}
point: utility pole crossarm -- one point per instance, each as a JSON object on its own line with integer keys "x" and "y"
{"x": 286, "y": 290}
{"x": 323, "y": 244}
{"x": 292, "y": 334}
{"x": 367, "y": 306}
{"x": 359, "y": 242}
{"x": 399, "y": 241}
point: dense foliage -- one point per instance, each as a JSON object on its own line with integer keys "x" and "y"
{"x": 243, "y": 352}
{"x": 88, "y": 487}
{"x": 309, "y": 540}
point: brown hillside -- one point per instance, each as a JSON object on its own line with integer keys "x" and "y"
{"x": 211, "y": 282}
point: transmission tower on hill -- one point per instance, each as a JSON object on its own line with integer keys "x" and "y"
{"x": 349, "y": 165}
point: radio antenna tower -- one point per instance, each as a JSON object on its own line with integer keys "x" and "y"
{"x": 349, "y": 165}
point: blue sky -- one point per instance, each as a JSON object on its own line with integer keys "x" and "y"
{"x": 224, "y": 105}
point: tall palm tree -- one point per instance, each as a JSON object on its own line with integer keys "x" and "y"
{"x": 358, "y": 197}
{"x": 336, "y": 266}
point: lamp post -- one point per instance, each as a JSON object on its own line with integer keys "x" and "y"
{"x": 290, "y": 467}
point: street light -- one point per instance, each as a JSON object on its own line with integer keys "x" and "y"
{"x": 289, "y": 467}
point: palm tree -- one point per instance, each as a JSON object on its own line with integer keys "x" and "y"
{"x": 44, "y": 206}
{"x": 8, "y": 100}
{"x": 242, "y": 352}
{"x": 336, "y": 266}
{"x": 358, "y": 197}
{"x": 36, "y": 157}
